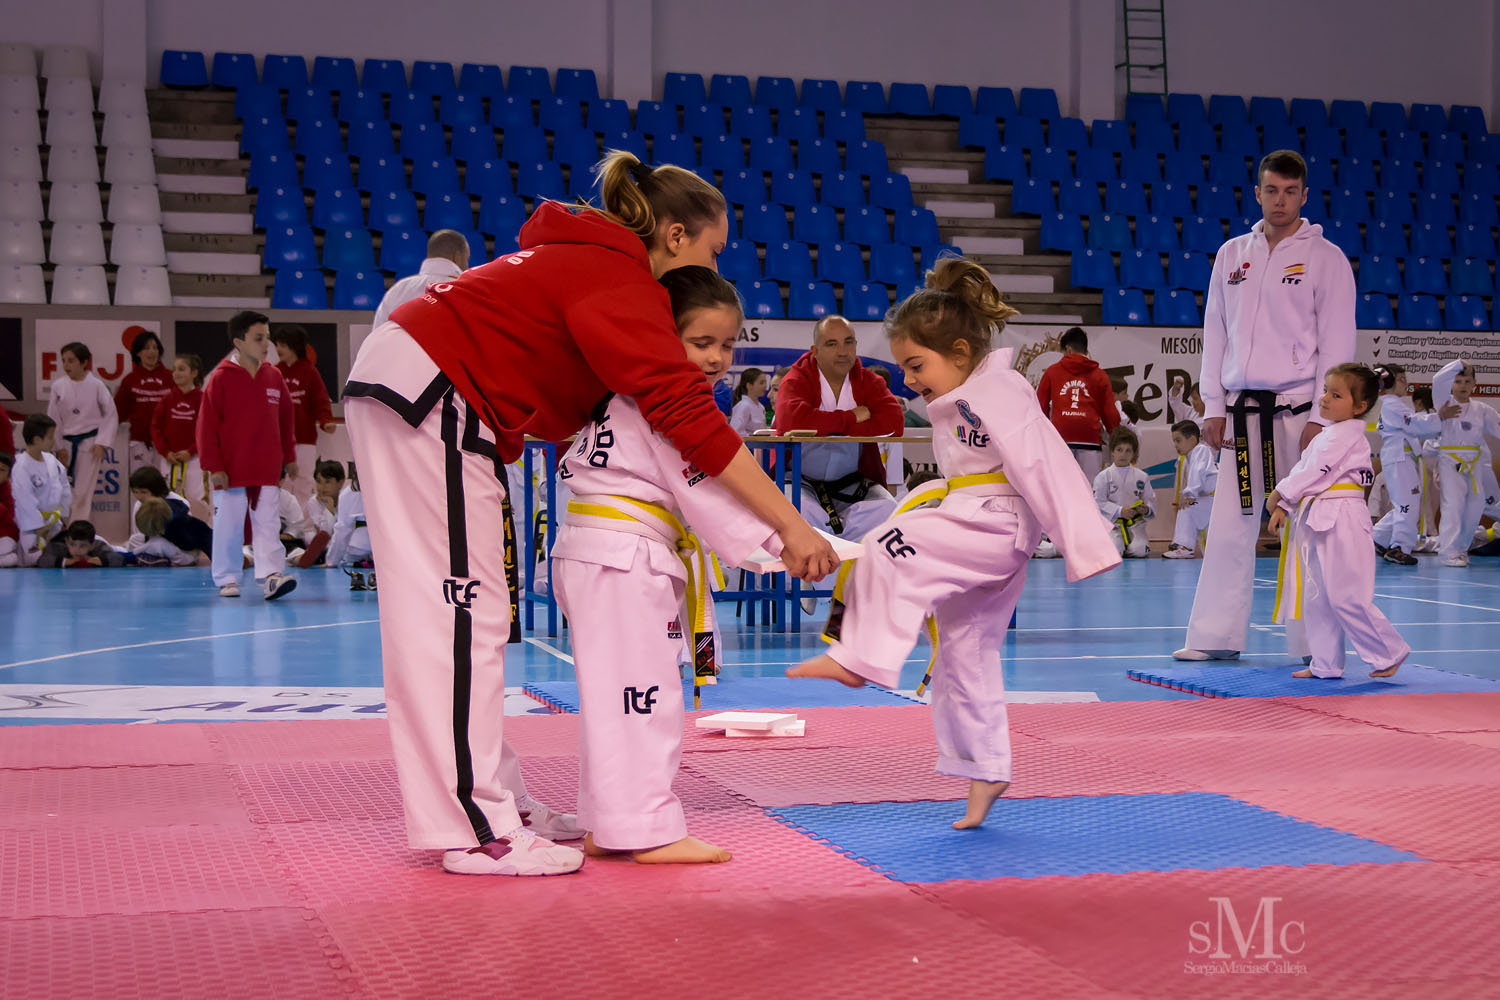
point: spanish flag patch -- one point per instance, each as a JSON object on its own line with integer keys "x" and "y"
{"x": 1293, "y": 270}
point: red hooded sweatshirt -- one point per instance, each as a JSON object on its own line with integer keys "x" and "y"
{"x": 310, "y": 406}
{"x": 534, "y": 339}
{"x": 174, "y": 425}
{"x": 245, "y": 425}
{"x": 8, "y": 527}
{"x": 1075, "y": 394}
{"x": 136, "y": 398}
{"x": 799, "y": 402}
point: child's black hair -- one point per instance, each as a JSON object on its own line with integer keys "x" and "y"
{"x": 1388, "y": 374}
{"x": 1364, "y": 383}
{"x": 328, "y": 469}
{"x": 1074, "y": 340}
{"x": 293, "y": 336}
{"x": 1187, "y": 428}
{"x": 78, "y": 350}
{"x": 81, "y": 531}
{"x": 150, "y": 479}
{"x": 7, "y": 459}
{"x": 138, "y": 345}
{"x": 241, "y": 322}
{"x": 747, "y": 379}
{"x": 1131, "y": 411}
{"x": 1422, "y": 396}
{"x": 36, "y": 426}
{"x": 1124, "y": 435}
{"x": 196, "y": 364}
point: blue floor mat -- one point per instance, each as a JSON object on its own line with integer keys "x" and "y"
{"x": 1230, "y": 680}
{"x": 744, "y": 694}
{"x": 1032, "y": 838}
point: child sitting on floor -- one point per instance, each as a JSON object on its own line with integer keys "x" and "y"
{"x": 1124, "y": 495}
{"x": 350, "y": 547}
{"x": 183, "y": 531}
{"x": 149, "y": 544}
{"x": 78, "y": 547}
{"x": 1328, "y": 556}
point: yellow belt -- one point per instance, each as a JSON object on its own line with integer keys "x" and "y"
{"x": 930, "y": 492}
{"x": 629, "y": 514}
{"x": 1289, "y": 565}
{"x": 1465, "y": 465}
{"x": 48, "y": 517}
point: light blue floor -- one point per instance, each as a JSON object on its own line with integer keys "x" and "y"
{"x": 170, "y": 627}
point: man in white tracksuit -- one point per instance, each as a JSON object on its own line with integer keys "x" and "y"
{"x": 1280, "y": 313}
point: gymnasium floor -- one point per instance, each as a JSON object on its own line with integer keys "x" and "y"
{"x": 1159, "y": 844}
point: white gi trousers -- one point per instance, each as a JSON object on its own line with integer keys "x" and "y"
{"x": 965, "y": 562}
{"x": 1090, "y": 460}
{"x": 1139, "y": 545}
{"x": 436, "y": 521}
{"x": 10, "y": 552}
{"x": 1338, "y": 589}
{"x": 1462, "y": 506}
{"x": 1220, "y": 619}
{"x": 229, "y": 534}
{"x": 1403, "y": 484}
{"x": 1191, "y": 523}
{"x": 630, "y": 693}
{"x": 84, "y": 472}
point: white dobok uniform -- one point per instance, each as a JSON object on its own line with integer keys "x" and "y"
{"x": 43, "y": 499}
{"x": 1274, "y": 323}
{"x": 351, "y": 533}
{"x": 1462, "y": 461}
{"x": 1009, "y": 476}
{"x": 1327, "y": 572}
{"x": 1115, "y": 489}
{"x": 619, "y": 573}
{"x": 85, "y": 415}
{"x": 1197, "y": 478}
{"x": 1402, "y": 430}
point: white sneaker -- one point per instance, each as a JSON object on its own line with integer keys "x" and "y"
{"x": 809, "y": 605}
{"x": 279, "y": 586}
{"x": 519, "y": 852}
{"x": 1459, "y": 561}
{"x": 1427, "y": 543}
{"x": 230, "y": 590}
{"x": 546, "y": 822}
{"x": 1206, "y": 654}
{"x": 1179, "y": 553}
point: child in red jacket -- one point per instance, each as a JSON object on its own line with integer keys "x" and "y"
{"x": 174, "y": 433}
{"x": 311, "y": 410}
{"x": 244, "y": 443}
{"x": 145, "y": 385}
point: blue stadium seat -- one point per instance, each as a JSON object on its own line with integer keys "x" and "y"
{"x": 524, "y": 145}
{"x": 1436, "y": 208}
{"x": 906, "y": 99}
{"x": 1124, "y": 198}
{"x": 1350, "y": 205}
{"x": 183, "y": 69}
{"x": 331, "y": 171}
{"x": 1189, "y": 269}
{"x": 530, "y": 82}
{"x": 542, "y": 179}
{"x": 893, "y": 264}
{"x": 387, "y": 76}
{"x": 1061, "y": 231}
{"x": 1153, "y": 136}
{"x": 1404, "y": 145}
{"x": 373, "y": 139}
{"x": 798, "y": 125}
{"x": 1474, "y": 240}
{"x": 1378, "y": 273}
{"x": 1481, "y": 178}
{"x": 1185, "y": 168}
{"x": 1067, "y": 133}
{"x": 1465, "y": 312}
{"x": 1364, "y": 143}
{"x": 1478, "y": 209}
{"x": 841, "y": 263}
{"x": 393, "y": 209}
{"x": 295, "y": 288}
{"x": 1141, "y": 166}
{"x": 348, "y": 247}
{"x": 1324, "y": 142}
{"x": 730, "y": 91}
{"x": 434, "y": 176}
{"x": 1394, "y": 206}
{"x": 1445, "y": 146}
{"x": 290, "y": 246}
{"x": 1468, "y": 119}
{"x": 1186, "y": 109}
{"x": 765, "y": 224}
{"x": 1427, "y": 118}
{"x": 751, "y": 122}
{"x": 402, "y": 250}
{"x": 1241, "y": 139}
{"x": 866, "y": 157}
{"x": 656, "y": 118}
{"x": 472, "y": 143}
{"x": 1032, "y": 197}
{"x": 1216, "y": 201}
{"x": 1372, "y": 311}
{"x": 917, "y": 226}
{"x": 772, "y": 153}
{"x": 1144, "y": 107}
{"x": 1079, "y": 197}
{"x": 359, "y": 106}
{"x": 1471, "y": 276}
{"x": 448, "y": 211}
{"x": 1346, "y": 115}
{"x": 1320, "y": 176}
{"x": 501, "y": 214}
{"x": 485, "y": 79}
{"x": 422, "y": 141}
{"x": 794, "y": 188}
{"x": 1004, "y": 163}
{"x": 818, "y": 156}
{"x": 775, "y": 92}
{"x": 1049, "y": 164}
{"x": 488, "y": 177}
{"x": 1386, "y": 238}
{"x": 1280, "y": 137}
{"x": 479, "y": 252}
{"x": 1039, "y": 102}
{"x": 843, "y": 126}
{"x": 318, "y": 136}
{"x": 930, "y": 255}
{"x": 1387, "y": 117}
{"x": 892, "y": 191}
{"x": 411, "y": 108}
{"x": 435, "y": 79}
{"x": 560, "y": 114}
{"x": 1124, "y": 307}
{"x": 233, "y": 70}
{"x": 1175, "y": 307}
{"x": 1109, "y": 232}
{"x": 335, "y": 73}
{"x": 266, "y": 134}
{"x": 308, "y": 103}
{"x": 1418, "y": 312}
{"x": 867, "y": 302}
{"x": 702, "y": 120}
{"x": 1141, "y": 269}
{"x": 740, "y": 261}
{"x": 996, "y": 102}
{"x": 762, "y": 299}
{"x": 1171, "y": 200}
{"x": 1227, "y": 110}
{"x": 815, "y": 224}
{"x": 280, "y": 206}
{"x": 1199, "y": 138}
{"x": 1203, "y": 234}
{"x": 608, "y": 116}
{"x": 1357, "y": 174}
{"x": 788, "y": 261}
{"x": 676, "y": 149}
{"x": 950, "y": 101}
{"x": 866, "y": 97}
{"x": 579, "y": 150}
{"x": 382, "y": 173}
{"x": 683, "y": 89}
{"x": 1092, "y": 269}
{"x": 1431, "y": 240}
{"x": 358, "y": 289}
{"x": 866, "y": 226}
{"x": 581, "y": 182}
{"x": 724, "y": 153}
{"x": 1267, "y": 111}
{"x": 1309, "y": 113}
{"x": 261, "y": 100}
{"x": 744, "y": 187}
{"x": 284, "y": 72}
{"x": 1344, "y": 235}
{"x": 811, "y": 300}
{"x": 1230, "y": 168}
{"x": 1094, "y": 164}
{"x": 335, "y": 207}
{"x": 821, "y": 95}
{"x": 1158, "y": 232}
{"x": 1425, "y": 274}
{"x": 1023, "y": 132}
{"x": 1110, "y": 134}
{"x": 577, "y": 84}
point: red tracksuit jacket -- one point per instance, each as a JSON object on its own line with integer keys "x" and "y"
{"x": 245, "y": 425}
{"x": 174, "y": 424}
{"x": 535, "y": 339}
{"x": 1075, "y": 394}
{"x": 310, "y": 406}
{"x": 136, "y": 398}
{"x": 800, "y": 397}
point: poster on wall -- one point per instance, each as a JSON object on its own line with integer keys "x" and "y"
{"x": 11, "y": 373}
{"x": 107, "y": 339}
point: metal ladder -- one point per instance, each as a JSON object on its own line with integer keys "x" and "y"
{"x": 1145, "y": 63}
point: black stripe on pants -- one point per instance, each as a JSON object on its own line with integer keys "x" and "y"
{"x": 463, "y": 623}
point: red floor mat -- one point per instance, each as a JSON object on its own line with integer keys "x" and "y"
{"x": 1129, "y": 720}
{"x": 1477, "y": 711}
{"x": 101, "y": 799}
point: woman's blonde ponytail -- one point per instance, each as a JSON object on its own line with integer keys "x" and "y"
{"x": 641, "y": 198}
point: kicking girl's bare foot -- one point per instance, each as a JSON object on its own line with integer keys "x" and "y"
{"x": 593, "y": 850}
{"x": 827, "y": 668}
{"x": 1303, "y": 673}
{"x": 1389, "y": 671}
{"x": 982, "y": 795}
{"x": 687, "y": 851}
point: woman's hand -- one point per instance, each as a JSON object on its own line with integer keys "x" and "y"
{"x": 807, "y": 554}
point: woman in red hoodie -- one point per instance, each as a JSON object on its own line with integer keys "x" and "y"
{"x": 439, "y": 398}
{"x": 145, "y": 385}
{"x": 311, "y": 410}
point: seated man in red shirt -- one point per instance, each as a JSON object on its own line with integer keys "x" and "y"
{"x": 1075, "y": 394}
{"x": 828, "y": 391}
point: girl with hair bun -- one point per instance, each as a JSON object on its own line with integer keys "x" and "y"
{"x": 956, "y": 549}
{"x": 440, "y": 397}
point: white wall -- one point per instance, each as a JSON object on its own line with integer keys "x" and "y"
{"x": 57, "y": 22}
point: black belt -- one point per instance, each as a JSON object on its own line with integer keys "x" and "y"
{"x": 850, "y": 489}
{"x": 1267, "y": 407}
{"x": 76, "y": 440}
{"x": 512, "y": 578}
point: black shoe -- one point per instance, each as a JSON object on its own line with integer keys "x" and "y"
{"x": 370, "y": 581}
{"x": 356, "y": 580}
{"x": 1380, "y": 550}
{"x": 1400, "y": 558}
